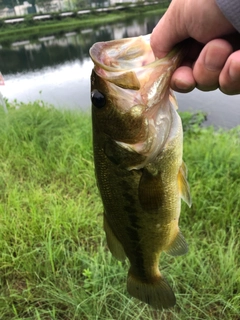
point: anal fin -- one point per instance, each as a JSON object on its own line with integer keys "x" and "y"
{"x": 178, "y": 247}
{"x": 113, "y": 243}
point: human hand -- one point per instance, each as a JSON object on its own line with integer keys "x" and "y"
{"x": 213, "y": 58}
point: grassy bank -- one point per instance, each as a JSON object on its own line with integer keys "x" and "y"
{"x": 54, "y": 263}
{"x": 30, "y": 28}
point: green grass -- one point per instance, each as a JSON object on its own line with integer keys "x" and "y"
{"x": 54, "y": 263}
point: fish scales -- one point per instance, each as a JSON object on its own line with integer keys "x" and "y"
{"x": 137, "y": 146}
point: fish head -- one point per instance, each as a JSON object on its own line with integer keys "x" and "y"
{"x": 114, "y": 94}
{"x": 131, "y": 95}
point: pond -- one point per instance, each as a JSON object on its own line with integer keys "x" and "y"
{"x": 57, "y": 68}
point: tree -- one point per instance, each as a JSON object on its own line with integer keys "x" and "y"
{"x": 11, "y": 3}
{"x": 99, "y": 3}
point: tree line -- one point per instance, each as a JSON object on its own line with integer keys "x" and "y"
{"x": 70, "y": 4}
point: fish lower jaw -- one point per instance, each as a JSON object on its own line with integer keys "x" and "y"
{"x": 149, "y": 149}
{"x": 142, "y": 149}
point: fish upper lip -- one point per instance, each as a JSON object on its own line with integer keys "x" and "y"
{"x": 130, "y": 64}
{"x": 118, "y": 55}
{"x": 109, "y": 55}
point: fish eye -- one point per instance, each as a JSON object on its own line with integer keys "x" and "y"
{"x": 98, "y": 99}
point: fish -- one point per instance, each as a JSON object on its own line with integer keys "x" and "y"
{"x": 138, "y": 149}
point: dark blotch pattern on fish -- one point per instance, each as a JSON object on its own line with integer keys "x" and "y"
{"x": 137, "y": 251}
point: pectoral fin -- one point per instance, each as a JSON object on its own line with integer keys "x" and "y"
{"x": 113, "y": 243}
{"x": 183, "y": 185}
{"x": 150, "y": 191}
{"x": 178, "y": 247}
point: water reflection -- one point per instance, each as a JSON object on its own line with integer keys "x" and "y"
{"x": 57, "y": 70}
{"x": 66, "y": 85}
{"x": 50, "y": 51}
{"x": 34, "y": 54}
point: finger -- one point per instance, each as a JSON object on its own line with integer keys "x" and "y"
{"x": 182, "y": 80}
{"x": 229, "y": 79}
{"x": 194, "y": 49}
{"x": 210, "y": 63}
{"x": 234, "y": 40}
{"x": 168, "y": 32}
{"x": 188, "y": 19}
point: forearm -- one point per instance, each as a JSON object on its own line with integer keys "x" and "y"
{"x": 231, "y": 10}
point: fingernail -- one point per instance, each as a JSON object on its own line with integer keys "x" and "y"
{"x": 183, "y": 86}
{"x": 213, "y": 63}
{"x": 234, "y": 71}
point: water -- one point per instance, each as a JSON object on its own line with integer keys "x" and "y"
{"x": 56, "y": 69}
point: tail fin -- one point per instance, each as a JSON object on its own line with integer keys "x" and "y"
{"x": 157, "y": 294}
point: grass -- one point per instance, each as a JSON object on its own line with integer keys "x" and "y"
{"x": 54, "y": 263}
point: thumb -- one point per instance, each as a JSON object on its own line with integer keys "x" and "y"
{"x": 167, "y": 33}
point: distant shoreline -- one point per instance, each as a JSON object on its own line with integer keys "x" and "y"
{"x": 59, "y": 22}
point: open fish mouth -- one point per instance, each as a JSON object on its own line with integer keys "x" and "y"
{"x": 138, "y": 82}
{"x": 130, "y": 64}
{"x": 123, "y": 54}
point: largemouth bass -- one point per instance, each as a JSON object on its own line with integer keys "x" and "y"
{"x": 137, "y": 144}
